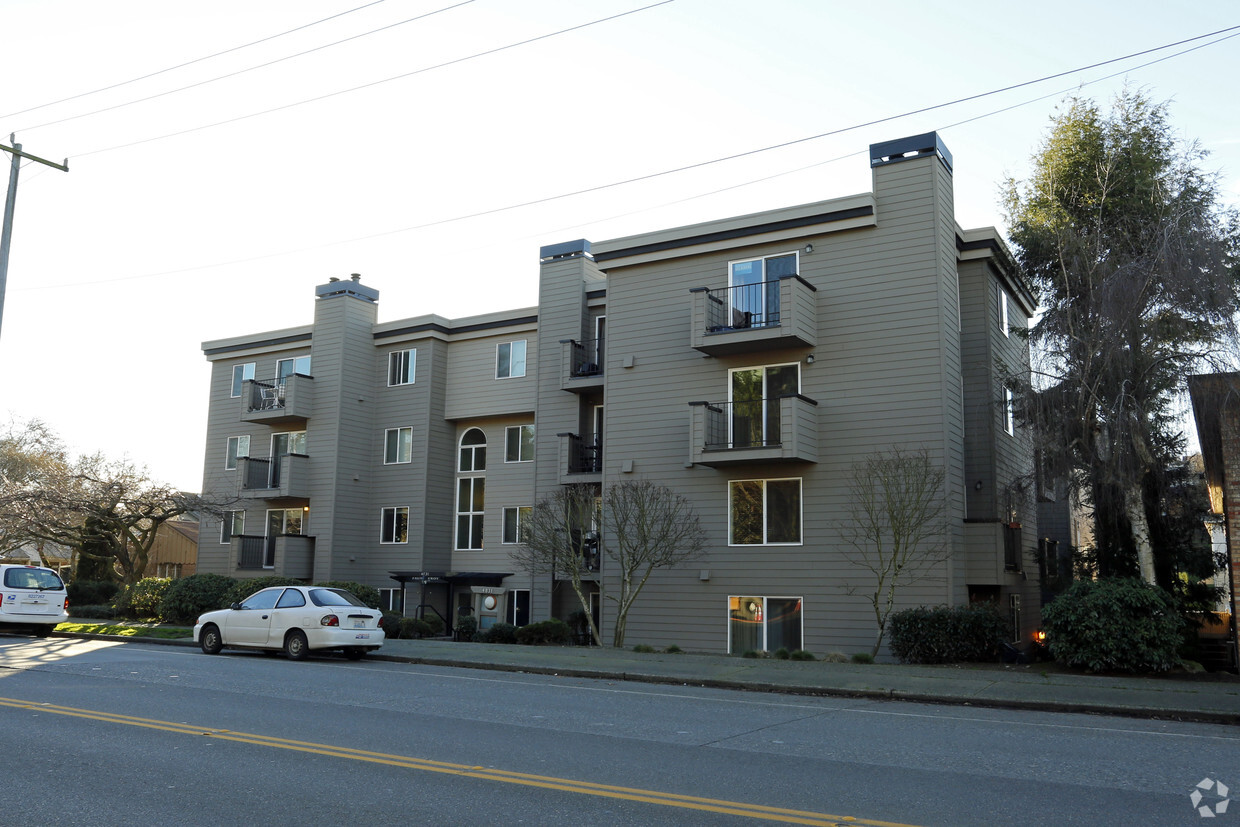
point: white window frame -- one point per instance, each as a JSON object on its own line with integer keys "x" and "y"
{"x": 471, "y": 515}
{"x": 765, "y": 399}
{"x": 1003, "y": 311}
{"x": 521, "y": 521}
{"x": 241, "y": 373}
{"x": 512, "y": 362}
{"x": 228, "y": 526}
{"x": 396, "y": 511}
{"x": 301, "y": 366}
{"x": 520, "y": 443}
{"x": 764, "y": 609}
{"x": 800, "y": 509}
{"x": 233, "y": 455}
{"x": 404, "y": 440}
{"x": 1009, "y": 412}
{"x": 402, "y": 366}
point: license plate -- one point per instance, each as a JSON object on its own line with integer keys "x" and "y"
{"x": 359, "y": 624}
{"x": 35, "y": 601}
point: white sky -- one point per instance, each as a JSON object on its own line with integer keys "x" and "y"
{"x": 122, "y": 267}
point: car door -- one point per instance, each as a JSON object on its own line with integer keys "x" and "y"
{"x": 250, "y": 624}
{"x": 290, "y": 611}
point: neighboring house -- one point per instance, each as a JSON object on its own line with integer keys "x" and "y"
{"x": 1216, "y": 411}
{"x": 747, "y": 363}
{"x": 175, "y": 550}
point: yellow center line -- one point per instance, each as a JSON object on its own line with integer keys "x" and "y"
{"x": 466, "y": 770}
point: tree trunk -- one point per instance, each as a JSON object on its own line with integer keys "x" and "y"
{"x": 1134, "y": 505}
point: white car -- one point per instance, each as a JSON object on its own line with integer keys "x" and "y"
{"x": 33, "y": 597}
{"x": 297, "y": 619}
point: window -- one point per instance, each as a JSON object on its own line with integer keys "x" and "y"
{"x": 232, "y": 525}
{"x": 516, "y": 521}
{"x": 397, "y": 445}
{"x": 287, "y": 367}
{"x": 473, "y": 451}
{"x": 470, "y": 501}
{"x": 1009, "y": 412}
{"x": 519, "y": 443}
{"x": 395, "y": 526}
{"x": 238, "y": 447}
{"x": 392, "y": 600}
{"x": 764, "y": 512}
{"x": 291, "y": 599}
{"x": 240, "y": 374}
{"x": 1003, "y": 310}
{"x": 753, "y": 286}
{"x": 763, "y": 624}
{"x": 755, "y": 395}
{"x": 168, "y": 571}
{"x": 401, "y": 367}
{"x": 518, "y": 611}
{"x": 510, "y": 359}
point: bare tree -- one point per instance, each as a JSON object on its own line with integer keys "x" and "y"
{"x": 896, "y": 525}
{"x": 561, "y": 538}
{"x": 648, "y": 527}
{"x": 29, "y": 454}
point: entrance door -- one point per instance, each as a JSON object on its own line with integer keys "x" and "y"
{"x": 281, "y": 521}
{"x": 755, "y": 400}
{"x": 281, "y": 446}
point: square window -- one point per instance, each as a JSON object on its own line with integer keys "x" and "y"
{"x": 238, "y": 447}
{"x": 240, "y": 374}
{"x": 232, "y": 525}
{"x": 515, "y": 522}
{"x": 519, "y": 443}
{"x": 402, "y": 367}
{"x": 395, "y": 525}
{"x": 397, "y": 445}
{"x": 764, "y": 512}
{"x": 510, "y": 359}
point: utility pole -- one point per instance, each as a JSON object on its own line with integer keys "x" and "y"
{"x": 6, "y": 235}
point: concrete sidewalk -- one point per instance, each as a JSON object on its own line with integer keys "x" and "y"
{"x": 1213, "y": 698}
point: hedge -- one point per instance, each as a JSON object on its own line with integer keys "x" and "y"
{"x": 1115, "y": 624}
{"x": 947, "y": 635}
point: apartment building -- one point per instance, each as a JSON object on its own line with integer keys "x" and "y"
{"x": 753, "y": 360}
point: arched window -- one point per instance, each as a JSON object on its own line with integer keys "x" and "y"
{"x": 471, "y": 490}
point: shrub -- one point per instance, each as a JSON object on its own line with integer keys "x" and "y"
{"x": 188, "y": 597}
{"x": 545, "y": 632}
{"x": 673, "y": 650}
{"x": 466, "y": 627}
{"x": 414, "y": 628}
{"x": 91, "y": 592}
{"x": 947, "y": 635}
{"x": 801, "y": 654}
{"x": 836, "y": 657}
{"x": 753, "y": 653}
{"x": 367, "y": 594}
{"x": 390, "y": 624}
{"x": 862, "y": 657}
{"x": 435, "y": 624}
{"x": 144, "y": 597}
{"x": 499, "y": 633}
{"x": 643, "y": 648}
{"x": 244, "y": 588}
{"x": 1116, "y": 624}
{"x": 781, "y": 653}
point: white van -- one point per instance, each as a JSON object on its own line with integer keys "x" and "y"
{"x": 33, "y": 597}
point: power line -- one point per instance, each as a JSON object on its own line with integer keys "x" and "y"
{"x": 249, "y": 69}
{"x": 1235, "y": 30}
{"x": 423, "y": 70}
{"x": 190, "y": 62}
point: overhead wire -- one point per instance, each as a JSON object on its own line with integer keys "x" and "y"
{"x": 246, "y": 70}
{"x": 191, "y": 62}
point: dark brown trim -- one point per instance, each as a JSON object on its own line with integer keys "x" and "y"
{"x": 282, "y": 340}
{"x": 435, "y": 327}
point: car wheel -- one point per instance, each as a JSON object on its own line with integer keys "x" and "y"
{"x": 42, "y": 630}
{"x": 295, "y": 646}
{"x": 210, "y": 641}
{"x": 354, "y": 652}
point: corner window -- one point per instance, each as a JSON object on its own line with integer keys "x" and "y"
{"x": 516, "y": 521}
{"x": 395, "y": 525}
{"x": 232, "y": 525}
{"x": 763, "y": 624}
{"x": 240, "y": 374}
{"x": 402, "y": 367}
{"x": 1003, "y": 310}
{"x": 397, "y": 445}
{"x": 238, "y": 447}
{"x": 510, "y": 359}
{"x": 764, "y": 512}
{"x": 519, "y": 443}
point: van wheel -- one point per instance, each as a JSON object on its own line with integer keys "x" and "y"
{"x": 43, "y": 630}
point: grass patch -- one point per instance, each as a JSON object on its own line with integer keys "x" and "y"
{"x": 125, "y": 631}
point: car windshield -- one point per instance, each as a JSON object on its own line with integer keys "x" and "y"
{"x": 333, "y": 597}
{"x": 32, "y": 578}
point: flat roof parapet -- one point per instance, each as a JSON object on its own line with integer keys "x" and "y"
{"x": 565, "y": 249}
{"x": 907, "y": 149}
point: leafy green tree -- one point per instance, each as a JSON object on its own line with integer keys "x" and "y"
{"x": 1120, "y": 229}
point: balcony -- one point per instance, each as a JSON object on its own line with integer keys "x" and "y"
{"x": 780, "y": 429}
{"x": 283, "y": 401}
{"x": 288, "y": 478}
{"x": 754, "y": 317}
{"x": 284, "y": 555}
{"x": 581, "y": 460}
{"x": 581, "y": 365}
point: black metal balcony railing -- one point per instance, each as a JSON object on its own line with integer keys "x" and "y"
{"x": 752, "y": 423}
{"x": 584, "y": 457}
{"x": 268, "y": 394}
{"x": 743, "y": 307}
{"x": 253, "y": 552}
{"x": 585, "y": 357}
{"x": 257, "y": 474}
